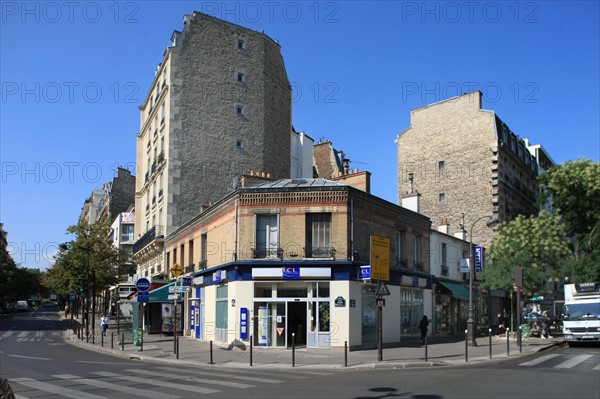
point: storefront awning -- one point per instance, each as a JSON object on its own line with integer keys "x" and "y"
{"x": 160, "y": 294}
{"x": 458, "y": 290}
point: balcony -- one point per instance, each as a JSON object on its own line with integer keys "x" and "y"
{"x": 161, "y": 157}
{"x": 155, "y": 233}
{"x": 402, "y": 263}
{"x": 271, "y": 253}
{"x": 188, "y": 268}
{"x": 320, "y": 252}
{"x": 203, "y": 264}
{"x": 419, "y": 266}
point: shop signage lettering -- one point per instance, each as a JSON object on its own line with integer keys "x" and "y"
{"x": 291, "y": 272}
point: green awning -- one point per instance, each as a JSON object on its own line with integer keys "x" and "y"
{"x": 160, "y": 294}
{"x": 458, "y": 290}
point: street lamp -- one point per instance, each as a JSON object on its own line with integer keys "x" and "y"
{"x": 471, "y": 320}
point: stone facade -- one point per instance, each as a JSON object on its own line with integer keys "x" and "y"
{"x": 465, "y": 160}
{"x": 219, "y": 107}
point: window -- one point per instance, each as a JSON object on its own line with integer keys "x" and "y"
{"x": 191, "y": 252}
{"x": 221, "y": 314}
{"x": 417, "y": 258}
{"x": 401, "y": 237}
{"x": 441, "y": 167}
{"x": 181, "y": 255}
{"x": 442, "y": 198}
{"x": 241, "y": 77}
{"x": 203, "y": 247}
{"x": 239, "y": 109}
{"x": 127, "y": 232}
{"x": 162, "y": 114}
{"x": 174, "y": 255}
{"x": 239, "y": 144}
{"x": 241, "y": 44}
{"x": 444, "y": 260}
{"x": 267, "y": 236}
{"x": 318, "y": 240}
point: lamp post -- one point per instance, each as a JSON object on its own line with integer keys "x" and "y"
{"x": 471, "y": 318}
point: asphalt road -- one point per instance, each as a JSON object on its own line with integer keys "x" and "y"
{"x": 39, "y": 364}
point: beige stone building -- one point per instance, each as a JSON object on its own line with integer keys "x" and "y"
{"x": 284, "y": 256}
{"x": 464, "y": 160}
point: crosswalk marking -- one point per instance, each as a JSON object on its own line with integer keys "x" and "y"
{"x": 7, "y": 334}
{"x": 57, "y": 390}
{"x": 538, "y": 360}
{"x": 192, "y": 378}
{"x": 159, "y": 383}
{"x": 597, "y": 367}
{"x": 239, "y": 377}
{"x": 573, "y": 362}
{"x": 107, "y": 385}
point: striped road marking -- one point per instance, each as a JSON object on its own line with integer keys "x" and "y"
{"x": 155, "y": 382}
{"x": 191, "y": 379}
{"x": 573, "y": 362}
{"x": 60, "y": 391}
{"x": 114, "y": 387}
{"x": 239, "y": 377}
{"x": 538, "y": 360}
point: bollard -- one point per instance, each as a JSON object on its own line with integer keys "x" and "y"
{"x": 93, "y": 337}
{"x": 490, "y": 334}
{"x": 102, "y": 341}
{"x": 142, "y": 341}
{"x": 507, "y": 342}
{"x": 211, "y": 354}
{"x": 177, "y": 344}
{"x": 123, "y": 342}
{"x": 112, "y": 340}
{"x": 250, "y": 350}
{"x": 293, "y": 349}
{"x": 426, "y": 355}
{"x": 466, "y": 346}
{"x": 345, "y": 353}
{"x": 520, "y": 339}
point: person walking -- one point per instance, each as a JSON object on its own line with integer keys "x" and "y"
{"x": 497, "y": 323}
{"x": 546, "y": 321}
{"x": 104, "y": 323}
{"x": 423, "y": 327}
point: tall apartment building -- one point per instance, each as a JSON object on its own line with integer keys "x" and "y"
{"x": 219, "y": 107}
{"x": 113, "y": 198}
{"x": 465, "y": 160}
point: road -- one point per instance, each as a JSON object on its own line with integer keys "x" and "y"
{"x": 39, "y": 364}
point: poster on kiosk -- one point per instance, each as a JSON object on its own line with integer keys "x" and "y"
{"x": 263, "y": 326}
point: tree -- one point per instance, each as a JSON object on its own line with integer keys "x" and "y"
{"x": 575, "y": 194}
{"x": 537, "y": 244}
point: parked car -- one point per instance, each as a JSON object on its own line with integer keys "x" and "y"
{"x": 22, "y": 306}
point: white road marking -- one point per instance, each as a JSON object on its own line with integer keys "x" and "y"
{"x": 114, "y": 387}
{"x": 573, "y": 362}
{"x": 31, "y": 357}
{"x": 55, "y": 389}
{"x": 239, "y": 377}
{"x": 159, "y": 383}
{"x": 192, "y": 379}
{"x": 538, "y": 360}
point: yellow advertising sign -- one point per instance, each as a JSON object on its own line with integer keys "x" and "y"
{"x": 176, "y": 269}
{"x": 380, "y": 258}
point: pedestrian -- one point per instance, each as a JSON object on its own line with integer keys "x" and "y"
{"x": 497, "y": 324}
{"x": 423, "y": 327}
{"x": 546, "y": 321}
{"x": 104, "y": 323}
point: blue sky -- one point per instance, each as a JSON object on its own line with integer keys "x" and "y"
{"x": 74, "y": 73}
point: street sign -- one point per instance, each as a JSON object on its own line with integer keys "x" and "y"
{"x": 71, "y": 296}
{"x": 186, "y": 281}
{"x": 173, "y": 297}
{"x": 382, "y": 289}
{"x": 143, "y": 296}
{"x": 143, "y": 284}
{"x": 176, "y": 269}
{"x": 178, "y": 289}
{"x": 478, "y": 258}
{"x": 380, "y": 258}
{"x": 365, "y": 272}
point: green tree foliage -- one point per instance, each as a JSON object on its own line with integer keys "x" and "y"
{"x": 574, "y": 188}
{"x": 16, "y": 282}
{"x": 537, "y": 244}
{"x": 90, "y": 258}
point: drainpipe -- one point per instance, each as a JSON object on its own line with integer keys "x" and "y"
{"x": 235, "y": 238}
{"x": 352, "y": 228}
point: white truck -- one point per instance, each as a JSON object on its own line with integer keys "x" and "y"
{"x": 581, "y": 322}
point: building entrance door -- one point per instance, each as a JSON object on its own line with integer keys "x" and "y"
{"x": 296, "y": 323}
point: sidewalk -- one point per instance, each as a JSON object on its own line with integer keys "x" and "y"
{"x": 440, "y": 351}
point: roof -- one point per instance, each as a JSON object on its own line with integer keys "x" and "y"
{"x": 297, "y": 183}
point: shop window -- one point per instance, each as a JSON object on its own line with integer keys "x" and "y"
{"x": 263, "y": 290}
{"x": 221, "y": 314}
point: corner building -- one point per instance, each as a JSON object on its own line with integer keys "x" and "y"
{"x": 284, "y": 257}
{"x": 464, "y": 160}
{"x": 219, "y": 106}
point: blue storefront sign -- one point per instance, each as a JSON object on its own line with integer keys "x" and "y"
{"x": 365, "y": 272}
{"x": 291, "y": 272}
{"x": 244, "y": 323}
{"x": 478, "y": 258}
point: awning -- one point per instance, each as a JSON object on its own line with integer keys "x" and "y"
{"x": 458, "y": 290}
{"x": 161, "y": 294}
